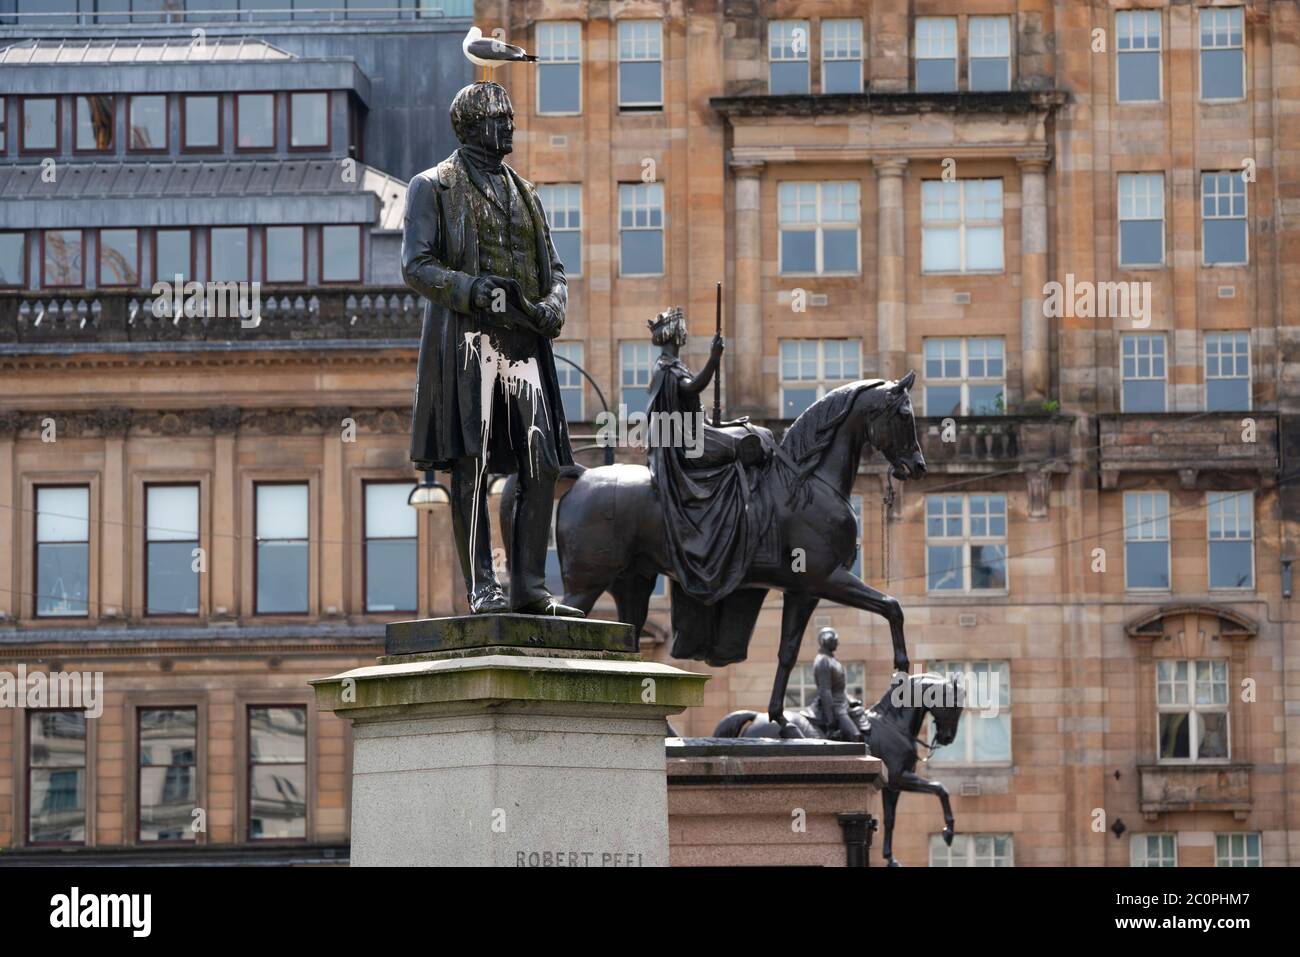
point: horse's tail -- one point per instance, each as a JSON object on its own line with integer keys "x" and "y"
{"x": 734, "y": 724}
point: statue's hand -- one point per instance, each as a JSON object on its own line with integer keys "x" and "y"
{"x": 484, "y": 293}
{"x": 550, "y": 320}
{"x": 719, "y": 344}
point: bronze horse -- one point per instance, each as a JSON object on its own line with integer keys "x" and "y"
{"x": 891, "y": 731}
{"x": 610, "y": 530}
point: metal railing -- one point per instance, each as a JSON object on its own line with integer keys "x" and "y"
{"x": 308, "y": 12}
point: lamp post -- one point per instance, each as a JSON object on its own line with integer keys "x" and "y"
{"x": 609, "y": 449}
{"x": 428, "y": 495}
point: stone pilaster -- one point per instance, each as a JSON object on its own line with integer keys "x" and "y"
{"x": 745, "y": 339}
{"x": 891, "y": 275}
{"x": 1035, "y": 337}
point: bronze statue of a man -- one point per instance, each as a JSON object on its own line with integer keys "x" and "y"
{"x": 487, "y": 401}
{"x": 832, "y": 695}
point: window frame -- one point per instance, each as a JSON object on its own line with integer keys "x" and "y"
{"x": 1132, "y": 858}
{"x": 1237, "y": 335}
{"x": 219, "y": 146}
{"x": 28, "y": 714}
{"x": 100, "y": 283}
{"x": 193, "y": 256}
{"x": 24, "y": 268}
{"x": 962, "y": 224}
{"x": 361, "y": 255}
{"x": 1120, "y": 219}
{"x": 649, "y": 106}
{"x": 542, "y": 62}
{"x": 662, "y": 228}
{"x": 794, "y": 23}
{"x": 549, "y": 210}
{"x": 637, "y": 347}
{"x": 57, "y": 148}
{"x": 1201, "y": 12}
{"x": 966, "y": 380}
{"x": 1010, "y": 57}
{"x": 1137, "y": 525}
{"x": 1159, "y": 52}
{"x": 943, "y": 666}
{"x": 860, "y": 59}
{"x": 1192, "y": 709}
{"x": 968, "y": 839}
{"x": 248, "y": 250}
{"x": 77, "y": 148}
{"x": 564, "y": 370}
{"x": 249, "y": 765}
{"x": 1137, "y": 357}
{"x": 967, "y": 540}
{"x": 275, "y": 121}
{"x": 329, "y": 112}
{"x": 266, "y": 255}
{"x": 81, "y": 284}
{"x": 818, "y": 228}
{"x": 917, "y": 57}
{"x": 1229, "y": 858}
{"x": 821, "y": 382}
{"x": 367, "y": 538}
{"x": 167, "y": 111}
{"x": 1236, "y": 496}
{"x": 198, "y": 543}
{"x": 1233, "y": 177}
{"x": 36, "y": 549}
{"x": 139, "y": 708}
{"x": 305, "y": 484}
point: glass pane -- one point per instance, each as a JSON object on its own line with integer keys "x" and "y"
{"x": 62, "y": 577}
{"x": 13, "y": 250}
{"x": 988, "y": 566}
{"x": 642, "y": 252}
{"x": 285, "y": 256}
{"x": 310, "y": 112}
{"x": 943, "y": 400}
{"x": 798, "y": 251}
{"x": 1141, "y": 243}
{"x": 387, "y": 514}
{"x": 1227, "y": 395}
{"x": 119, "y": 257}
{"x": 278, "y": 802}
{"x": 202, "y": 121}
{"x": 229, "y": 254}
{"x": 984, "y": 247}
{"x": 168, "y": 736}
{"x": 840, "y": 250}
{"x": 788, "y": 78}
{"x": 639, "y": 83}
{"x": 1146, "y": 564}
{"x": 991, "y": 73}
{"x": 281, "y": 577}
{"x": 1174, "y": 735}
{"x": 1225, "y": 241}
{"x": 63, "y": 257}
{"x": 40, "y": 124}
{"x": 95, "y": 122}
{"x": 842, "y": 76}
{"x": 945, "y": 571}
{"x": 391, "y": 573}
{"x": 936, "y": 76}
{"x": 341, "y": 253}
{"x": 277, "y": 735}
{"x": 986, "y": 400}
{"x": 1221, "y": 74}
{"x": 57, "y": 739}
{"x": 568, "y": 246}
{"x": 1144, "y": 395}
{"x": 558, "y": 88}
{"x": 795, "y": 401}
{"x": 1213, "y": 736}
{"x": 148, "y": 118}
{"x": 172, "y": 248}
{"x": 167, "y": 797}
{"x": 58, "y": 805}
{"x": 991, "y": 738}
{"x": 1139, "y": 77}
{"x": 256, "y": 112}
{"x": 62, "y": 514}
{"x": 1230, "y": 565}
{"x": 173, "y": 584}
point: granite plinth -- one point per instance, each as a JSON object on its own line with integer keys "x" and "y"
{"x": 479, "y": 633}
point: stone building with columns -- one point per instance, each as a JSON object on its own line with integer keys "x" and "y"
{"x": 1103, "y": 542}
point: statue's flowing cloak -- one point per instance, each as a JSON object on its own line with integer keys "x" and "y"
{"x": 440, "y": 260}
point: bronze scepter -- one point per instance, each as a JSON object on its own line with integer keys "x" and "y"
{"x": 717, "y": 376}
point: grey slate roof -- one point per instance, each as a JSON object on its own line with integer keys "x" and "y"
{"x": 207, "y": 192}
{"x": 128, "y": 50}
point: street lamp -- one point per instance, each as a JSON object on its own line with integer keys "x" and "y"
{"x": 426, "y": 496}
{"x": 609, "y": 449}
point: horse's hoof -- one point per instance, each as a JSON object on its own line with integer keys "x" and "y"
{"x": 902, "y": 664}
{"x": 790, "y": 731}
{"x": 947, "y": 835}
{"x": 893, "y": 863}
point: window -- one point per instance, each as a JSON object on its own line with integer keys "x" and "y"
{"x": 640, "y": 65}
{"x": 965, "y": 377}
{"x": 277, "y": 773}
{"x": 936, "y": 54}
{"x": 1192, "y": 709}
{"x": 119, "y": 257}
{"x": 1141, "y": 219}
{"x": 984, "y": 733}
{"x": 1223, "y": 219}
{"x": 802, "y": 688}
{"x": 1137, "y": 56}
{"x": 340, "y": 250}
{"x": 286, "y": 254}
{"x": 1153, "y": 850}
{"x": 392, "y": 559}
{"x": 1227, "y": 372}
{"x": 173, "y": 255}
{"x": 40, "y": 124}
{"x": 819, "y": 227}
{"x": 201, "y": 123}
{"x": 309, "y": 120}
{"x": 1223, "y": 54}
{"x": 787, "y": 57}
{"x": 971, "y": 850}
{"x": 570, "y": 379}
{"x": 641, "y": 229}
{"x": 636, "y": 363}
{"x": 1230, "y": 518}
{"x": 1146, "y": 540}
{"x": 280, "y": 516}
{"x": 966, "y": 543}
{"x": 812, "y": 367}
{"x": 147, "y": 123}
{"x": 563, "y": 207}
{"x": 62, "y": 550}
{"x": 168, "y": 748}
{"x": 13, "y": 259}
{"x": 228, "y": 254}
{"x": 1142, "y": 362}
{"x": 255, "y": 121}
{"x": 559, "y": 68}
{"x": 1236, "y": 850}
{"x": 841, "y": 56}
{"x": 171, "y": 537}
{"x": 95, "y": 122}
{"x": 4, "y": 144}
{"x": 56, "y": 777}
{"x": 990, "y": 53}
{"x": 61, "y": 264}
{"x": 554, "y": 574}
{"x": 961, "y": 225}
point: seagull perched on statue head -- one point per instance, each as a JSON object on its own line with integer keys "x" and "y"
{"x": 491, "y": 53}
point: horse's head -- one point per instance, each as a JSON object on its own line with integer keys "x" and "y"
{"x": 944, "y": 703}
{"x": 892, "y": 431}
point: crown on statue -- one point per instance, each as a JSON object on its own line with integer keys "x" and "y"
{"x": 665, "y": 318}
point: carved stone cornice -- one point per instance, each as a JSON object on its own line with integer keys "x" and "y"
{"x": 219, "y": 420}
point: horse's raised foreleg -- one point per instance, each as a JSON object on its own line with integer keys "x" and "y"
{"x": 911, "y": 781}
{"x": 796, "y": 609}
{"x": 845, "y": 588}
{"x": 889, "y": 797}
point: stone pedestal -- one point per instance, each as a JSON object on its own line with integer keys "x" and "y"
{"x": 513, "y": 740}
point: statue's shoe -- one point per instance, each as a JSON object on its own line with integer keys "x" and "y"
{"x": 549, "y": 606}
{"x": 489, "y": 600}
